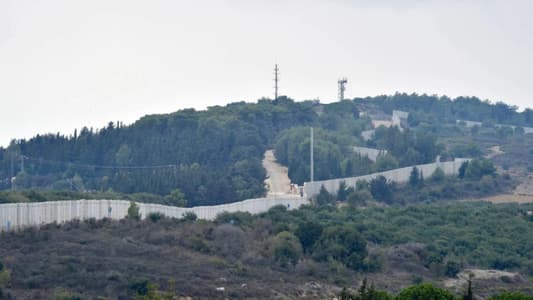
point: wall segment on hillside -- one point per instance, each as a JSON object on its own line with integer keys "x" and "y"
{"x": 397, "y": 175}
{"x": 19, "y": 215}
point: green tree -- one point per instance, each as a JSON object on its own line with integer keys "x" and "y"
{"x": 343, "y": 244}
{"x": 381, "y": 189}
{"x": 176, "y": 198}
{"x": 342, "y": 192}
{"x": 414, "y": 177}
{"x": 477, "y": 168}
{"x": 324, "y": 197}
{"x": 308, "y": 233}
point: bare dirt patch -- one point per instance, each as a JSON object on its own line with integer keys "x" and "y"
{"x": 494, "y": 151}
{"x": 505, "y": 198}
{"x": 486, "y": 282}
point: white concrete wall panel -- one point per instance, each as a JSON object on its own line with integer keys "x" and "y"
{"x": 19, "y": 215}
{"x": 400, "y": 175}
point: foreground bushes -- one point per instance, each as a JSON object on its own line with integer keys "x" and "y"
{"x": 420, "y": 292}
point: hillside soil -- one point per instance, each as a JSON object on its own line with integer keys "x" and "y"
{"x": 193, "y": 259}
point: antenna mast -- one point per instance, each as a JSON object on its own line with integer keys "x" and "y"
{"x": 342, "y": 87}
{"x": 276, "y": 79}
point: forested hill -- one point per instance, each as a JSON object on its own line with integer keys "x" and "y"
{"x": 214, "y": 156}
{"x": 211, "y": 156}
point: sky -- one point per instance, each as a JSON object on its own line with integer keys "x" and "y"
{"x": 68, "y": 64}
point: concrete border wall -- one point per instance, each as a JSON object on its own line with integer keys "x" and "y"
{"x": 371, "y": 153}
{"x": 397, "y": 175}
{"x": 15, "y": 216}
{"x": 470, "y": 124}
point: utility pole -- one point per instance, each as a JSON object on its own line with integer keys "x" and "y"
{"x": 342, "y": 87}
{"x": 312, "y": 158}
{"x": 276, "y": 79}
{"x": 12, "y": 170}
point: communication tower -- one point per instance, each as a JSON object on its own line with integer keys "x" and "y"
{"x": 342, "y": 87}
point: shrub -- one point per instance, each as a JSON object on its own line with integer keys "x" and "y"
{"x": 235, "y": 218}
{"x": 139, "y": 286}
{"x": 324, "y": 197}
{"x": 487, "y": 184}
{"x": 308, "y": 233}
{"x": 5, "y": 278}
{"x": 511, "y": 296}
{"x": 286, "y": 249}
{"x": 452, "y": 268}
{"x": 438, "y": 175}
{"x": 229, "y": 240}
{"x": 66, "y": 295}
{"x": 133, "y": 211}
{"x": 341, "y": 243}
{"x": 176, "y": 198}
{"x": 424, "y": 291}
{"x": 189, "y": 216}
{"x": 477, "y": 168}
{"x": 155, "y": 216}
{"x": 359, "y": 197}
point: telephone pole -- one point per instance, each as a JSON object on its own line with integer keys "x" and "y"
{"x": 22, "y": 163}
{"x": 312, "y": 175}
{"x": 276, "y": 79}
{"x": 12, "y": 170}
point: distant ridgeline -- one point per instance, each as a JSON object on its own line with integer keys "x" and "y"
{"x": 214, "y": 156}
{"x": 448, "y": 110}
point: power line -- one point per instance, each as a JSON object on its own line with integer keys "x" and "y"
{"x": 93, "y": 166}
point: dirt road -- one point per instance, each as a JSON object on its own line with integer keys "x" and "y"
{"x": 277, "y": 181}
{"x": 507, "y": 198}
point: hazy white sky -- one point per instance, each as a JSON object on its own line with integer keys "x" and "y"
{"x": 66, "y": 64}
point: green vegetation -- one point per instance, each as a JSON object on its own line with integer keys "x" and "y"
{"x": 456, "y": 235}
{"x": 476, "y": 179}
{"x": 283, "y": 249}
{"x": 511, "y": 296}
{"x": 334, "y": 157}
{"x": 5, "y": 278}
{"x": 420, "y": 292}
{"x": 133, "y": 211}
{"x": 214, "y": 156}
{"x": 432, "y": 109}
{"x": 286, "y": 249}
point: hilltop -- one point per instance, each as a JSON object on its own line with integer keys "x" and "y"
{"x": 214, "y": 156}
